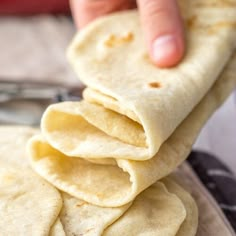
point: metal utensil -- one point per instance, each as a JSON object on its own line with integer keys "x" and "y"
{"x": 23, "y": 102}
{"x": 12, "y": 90}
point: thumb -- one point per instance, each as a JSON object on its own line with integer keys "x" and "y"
{"x": 163, "y": 30}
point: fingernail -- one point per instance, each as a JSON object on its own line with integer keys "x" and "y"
{"x": 164, "y": 47}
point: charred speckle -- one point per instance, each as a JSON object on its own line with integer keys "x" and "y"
{"x": 154, "y": 85}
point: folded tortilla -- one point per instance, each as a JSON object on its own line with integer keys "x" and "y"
{"x": 110, "y": 57}
{"x": 34, "y": 207}
{"x": 112, "y": 181}
{"x": 136, "y": 124}
{"x": 112, "y": 145}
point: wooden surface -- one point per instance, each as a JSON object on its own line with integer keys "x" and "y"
{"x": 212, "y": 221}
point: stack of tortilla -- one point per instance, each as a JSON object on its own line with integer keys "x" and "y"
{"x": 110, "y": 153}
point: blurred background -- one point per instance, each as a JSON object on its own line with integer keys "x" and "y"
{"x": 34, "y": 72}
{"x": 33, "y": 68}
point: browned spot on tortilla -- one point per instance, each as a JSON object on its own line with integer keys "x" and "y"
{"x": 191, "y": 21}
{"x": 128, "y": 37}
{"x": 114, "y": 40}
{"x": 109, "y": 42}
{"x": 154, "y": 85}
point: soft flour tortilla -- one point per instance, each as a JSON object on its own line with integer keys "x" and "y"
{"x": 190, "y": 224}
{"x": 164, "y": 209}
{"x": 157, "y": 211}
{"x": 110, "y": 57}
{"x": 57, "y": 229}
{"x": 73, "y": 135}
{"x": 32, "y": 205}
{"x": 81, "y": 218}
{"x": 154, "y": 212}
{"x": 28, "y": 204}
{"x": 120, "y": 181}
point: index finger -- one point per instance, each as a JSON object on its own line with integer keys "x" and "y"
{"x": 84, "y": 11}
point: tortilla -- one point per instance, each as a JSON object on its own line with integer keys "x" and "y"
{"x": 190, "y": 224}
{"x": 136, "y": 124}
{"x": 81, "y": 218}
{"x": 118, "y": 182}
{"x": 57, "y": 229}
{"x": 156, "y": 211}
{"x": 28, "y": 204}
{"x": 33, "y": 205}
{"x": 112, "y": 145}
{"x": 163, "y": 209}
{"x": 135, "y": 105}
{"x": 110, "y": 57}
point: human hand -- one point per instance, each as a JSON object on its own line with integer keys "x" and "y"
{"x": 161, "y": 22}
